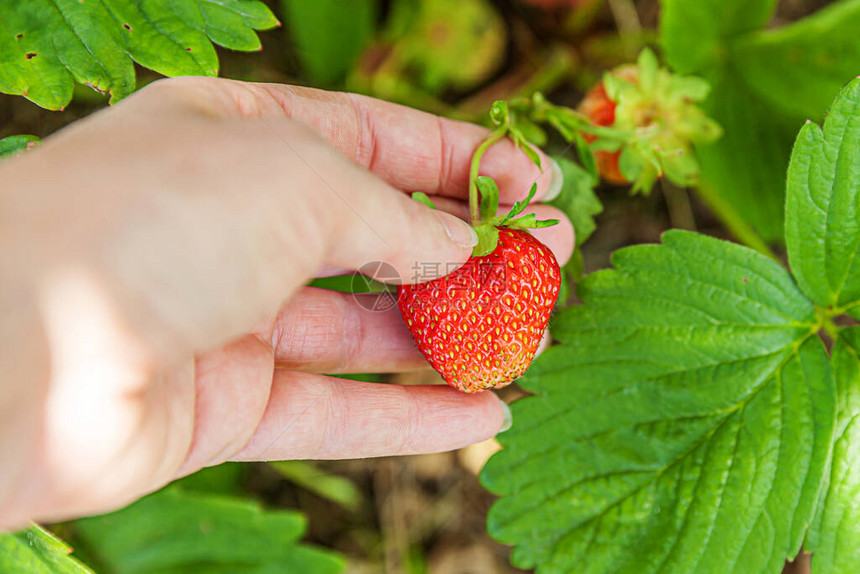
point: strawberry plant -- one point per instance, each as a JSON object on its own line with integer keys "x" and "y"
{"x": 481, "y": 325}
{"x": 718, "y": 433}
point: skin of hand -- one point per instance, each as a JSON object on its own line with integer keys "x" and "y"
{"x": 153, "y": 258}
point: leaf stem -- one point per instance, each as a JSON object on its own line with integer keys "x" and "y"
{"x": 474, "y": 202}
{"x": 565, "y": 120}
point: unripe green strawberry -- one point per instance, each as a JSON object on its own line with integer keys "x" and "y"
{"x": 481, "y": 325}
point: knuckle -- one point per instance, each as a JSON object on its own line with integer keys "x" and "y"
{"x": 312, "y": 331}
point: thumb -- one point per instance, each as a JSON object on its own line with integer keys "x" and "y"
{"x": 369, "y": 221}
{"x": 406, "y": 235}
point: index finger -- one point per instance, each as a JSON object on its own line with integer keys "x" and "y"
{"x": 410, "y": 149}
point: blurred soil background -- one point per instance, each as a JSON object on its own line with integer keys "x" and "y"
{"x": 426, "y": 514}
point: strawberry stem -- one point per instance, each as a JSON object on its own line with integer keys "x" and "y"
{"x": 474, "y": 201}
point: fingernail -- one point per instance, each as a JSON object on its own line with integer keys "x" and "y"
{"x": 556, "y": 181}
{"x": 508, "y": 418}
{"x": 458, "y": 230}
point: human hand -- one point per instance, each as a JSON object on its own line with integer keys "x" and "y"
{"x": 151, "y": 275}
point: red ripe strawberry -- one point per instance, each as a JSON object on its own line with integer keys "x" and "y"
{"x": 481, "y": 325}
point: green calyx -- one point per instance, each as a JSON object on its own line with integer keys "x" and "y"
{"x": 659, "y": 109}
{"x": 657, "y": 121}
{"x": 489, "y": 224}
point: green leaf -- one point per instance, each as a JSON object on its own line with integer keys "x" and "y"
{"x": 571, "y": 272}
{"x": 431, "y": 48}
{"x": 338, "y": 489}
{"x": 586, "y": 154}
{"x": 692, "y": 88}
{"x": 539, "y": 223}
{"x": 630, "y": 162}
{"x": 329, "y": 35}
{"x": 47, "y": 45}
{"x": 649, "y": 68}
{"x": 489, "y": 197}
{"x": 363, "y": 377}
{"x": 499, "y": 113}
{"x": 523, "y": 144}
{"x": 834, "y": 537}
{"x": 529, "y": 131}
{"x": 37, "y": 551}
{"x": 488, "y": 239}
{"x": 530, "y": 221}
{"x": 354, "y": 283}
{"x": 693, "y": 33}
{"x": 577, "y": 199}
{"x": 423, "y": 199}
{"x": 683, "y": 425}
{"x": 823, "y": 205}
{"x": 801, "y": 67}
{"x": 530, "y": 152}
{"x": 616, "y": 86}
{"x": 175, "y": 531}
{"x": 225, "y": 478}
{"x": 13, "y": 145}
{"x": 580, "y": 204}
{"x": 605, "y": 145}
{"x": 743, "y": 171}
{"x": 519, "y": 206}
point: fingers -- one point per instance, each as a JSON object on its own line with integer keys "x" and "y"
{"x": 232, "y": 388}
{"x": 314, "y": 417}
{"x": 416, "y": 151}
{"x": 240, "y": 213}
{"x": 238, "y": 216}
{"x": 364, "y": 219}
{"x": 328, "y": 332}
{"x": 409, "y": 149}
